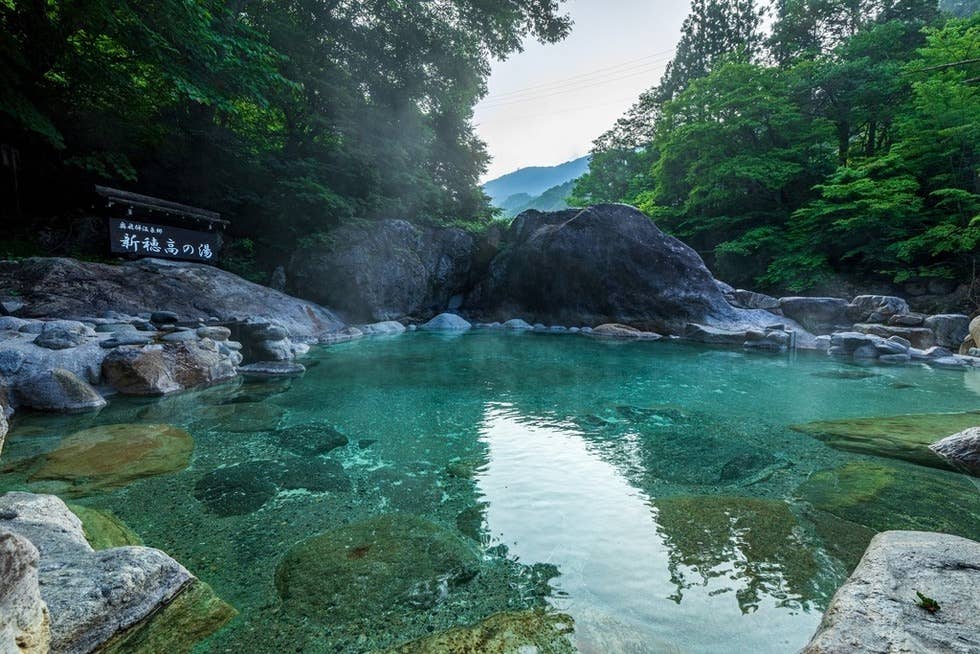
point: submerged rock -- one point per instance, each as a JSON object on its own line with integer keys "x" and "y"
{"x": 905, "y": 437}
{"x": 961, "y": 450}
{"x": 513, "y": 632}
{"x": 876, "y": 609}
{"x": 371, "y": 567}
{"x": 106, "y": 600}
{"x": 239, "y": 488}
{"x": 264, "y": 369}
{"x": 243, "y": 417}
{"x": 311, "y": 439}
{"x": 111, "y": 456}
{"x": 753, "y": 541}
{"x": 102, "y": 529}
{"x": 25, "y": 626}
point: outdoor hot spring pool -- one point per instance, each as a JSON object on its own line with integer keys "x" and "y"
{"x": 653, "y": 492}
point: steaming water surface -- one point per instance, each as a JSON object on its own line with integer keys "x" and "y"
{"x": 653, "y": 492}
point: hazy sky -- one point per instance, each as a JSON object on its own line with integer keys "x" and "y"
{"x": 548, "y": 103}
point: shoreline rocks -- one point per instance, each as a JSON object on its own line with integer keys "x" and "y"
{"x": 961, "y": 450}
{"x": 25, "y": 624}
{"x": 876, "y": 610}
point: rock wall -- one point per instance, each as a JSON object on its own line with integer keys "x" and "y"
{"x": 385, "y": 270}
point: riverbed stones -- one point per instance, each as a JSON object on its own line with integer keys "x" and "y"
{"x": 58, "y": 390}
{"x": 512, "y": 632}
{"x": 905, "y": 437}
{"x": 112, "y": 456}
{"x": 517, "y": 324}
{"x": 961, "y": 450}
{"x": 62, "y": 334}
{"x": 446, "y": 322}
{"x": 876, "y": 609}
{"x": 110, "y": 600}
{"x": 238, "y": 488}
{"x": 372, "y": 567}
{"x": 25, "y": 625}
{"x": 242, "y": 417}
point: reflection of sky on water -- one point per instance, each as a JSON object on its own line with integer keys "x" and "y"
{"x": 554, "y": 500}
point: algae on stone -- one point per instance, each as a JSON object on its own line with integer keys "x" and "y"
{"x": 752, "y": 540}
{"x": 112, "y": 456}
{"x": 193, "y": 615}
{"x": 104, "y": 530}
{"x": 900, "y": 437}
{"x": 371, "y": 567}
{"x": 510, "y": 632}
{"x": 884, "y": 497}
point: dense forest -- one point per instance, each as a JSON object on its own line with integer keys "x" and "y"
{"x": 792, "y": 143}
{"x": 842, "y": 141}
{"x": 290, "y": 116}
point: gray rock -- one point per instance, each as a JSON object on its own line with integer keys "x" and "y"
{"x": 907, "y": 319}
{"x": 266, "y": 331}
{"x": 57, "y": 390}
{"x": 820, "y": 315}
{"x": 113, "y": 327}
{"x": 214, "y": 332}
{"x": 903, "y": 342}
{"x": 446, "y": 322}
{"x": 920, "y": 337}
{"x": 166, "y": 368}
{"x": 518, "y": 324}
{"x": 62, "y": 334}
{"x": 179, "y": 336}
{"x": 281, "y": 350}
{"x": 962, "y": 450}
{"x": 950, "y": 328}
{"x": 937, "y": 352}
{"x": 850, "y": 341}
{"x": 164, "y": 317}
{"x": 885, "y": 306}
{"x": 51, "y": 287}
{"x": 25, "y": 626}
{"x": 875, "y": 610}
{"x": 272, "y": 369}
{"x": 614, "y": 330}
{"x": 712, "y": 335}
{"x": 9, "y": 323}
{"x": 135, "y": 338}
{"x": 92, "y": 595}
{"x": 887, "y": 346}
{"x": 382, "y": 328}
{"x": 951, "y": 363}
{"x": 574, "y": 330}
{"x": 11, "y": 361}
{"x": 10, "y": 306}
{"x": 277, "y": 281}
{"x": 557, "y": 329}
{"x": 896, "y": 359}
{"x": 32, "y": 327}
{"x": 385, "y": 270}
{"x": 411, "y": 328}
{"x": 865, "y": 352}
{"x": 753, "y": 300}
{"x": 538, "y": 327}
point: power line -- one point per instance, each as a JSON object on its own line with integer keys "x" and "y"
{"x": 591, "y": 84}
{"x": 632, "y": 63}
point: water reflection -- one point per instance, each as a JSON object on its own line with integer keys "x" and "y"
{"x": 639, "y": 574}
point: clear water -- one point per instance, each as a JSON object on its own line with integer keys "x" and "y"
{"x": 660, "y": 480}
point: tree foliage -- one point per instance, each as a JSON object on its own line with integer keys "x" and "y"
{"x": 291, "y": 115}
{"x": 848, "y": 146}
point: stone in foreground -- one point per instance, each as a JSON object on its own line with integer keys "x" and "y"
{"x": 111, "y": 600}
{"x": 501, "y": 633}
{"x": 58, "y": 390}
{"x": 876, "y": 611}
{"x": 961, "y": 450}
{"x": 25, "y": 626}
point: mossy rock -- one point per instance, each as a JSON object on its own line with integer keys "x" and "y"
{"x": 906, "y": 437}
{"x": 844, "y": 540}
{"x": 193, "y": 615}
{"x": 900, "y": 496}
{"x": 112, "y": 456}
{"x": 752, "y": 540}
{"x": 369, "y": 568}
{"x": 104, "y": 530}
{"x": 511, "y": 632}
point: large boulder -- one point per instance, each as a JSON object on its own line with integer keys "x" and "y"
{"x": 25, "y": 626}
{"x": 880, "y": 307}
{"x": 820, "y": 315}
{"x": 876, "y": 609}
{"x": 385, "y": 270}
{"x": 166, "y": 367}
{"x": 950, "y": 328}
{"x": 58, "y": 390}
{"x": 67, "y": 288}
{"x": 111, "y": 599}
{"x": 605, "y": 264}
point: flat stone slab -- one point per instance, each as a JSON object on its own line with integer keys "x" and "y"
{"x": 272, "y": 369}
{"x": 876, "y": 609}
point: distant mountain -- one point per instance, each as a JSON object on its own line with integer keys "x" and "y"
{"x": 534, "y": 181}
{"x": 551, "y": 200}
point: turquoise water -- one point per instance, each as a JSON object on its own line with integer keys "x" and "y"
{"x": 652, "y": 491}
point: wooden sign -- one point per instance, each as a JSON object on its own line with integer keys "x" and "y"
{"x": 128, "y": 236}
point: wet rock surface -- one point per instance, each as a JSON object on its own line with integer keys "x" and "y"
{"x": 58, "y": 390}
{"x": 961, "y": 450}
{"x": 876, "y": 609}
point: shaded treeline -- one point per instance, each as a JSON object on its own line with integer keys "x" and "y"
{"x": 291, "y": 116}
{"x": 842, "y": 141}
